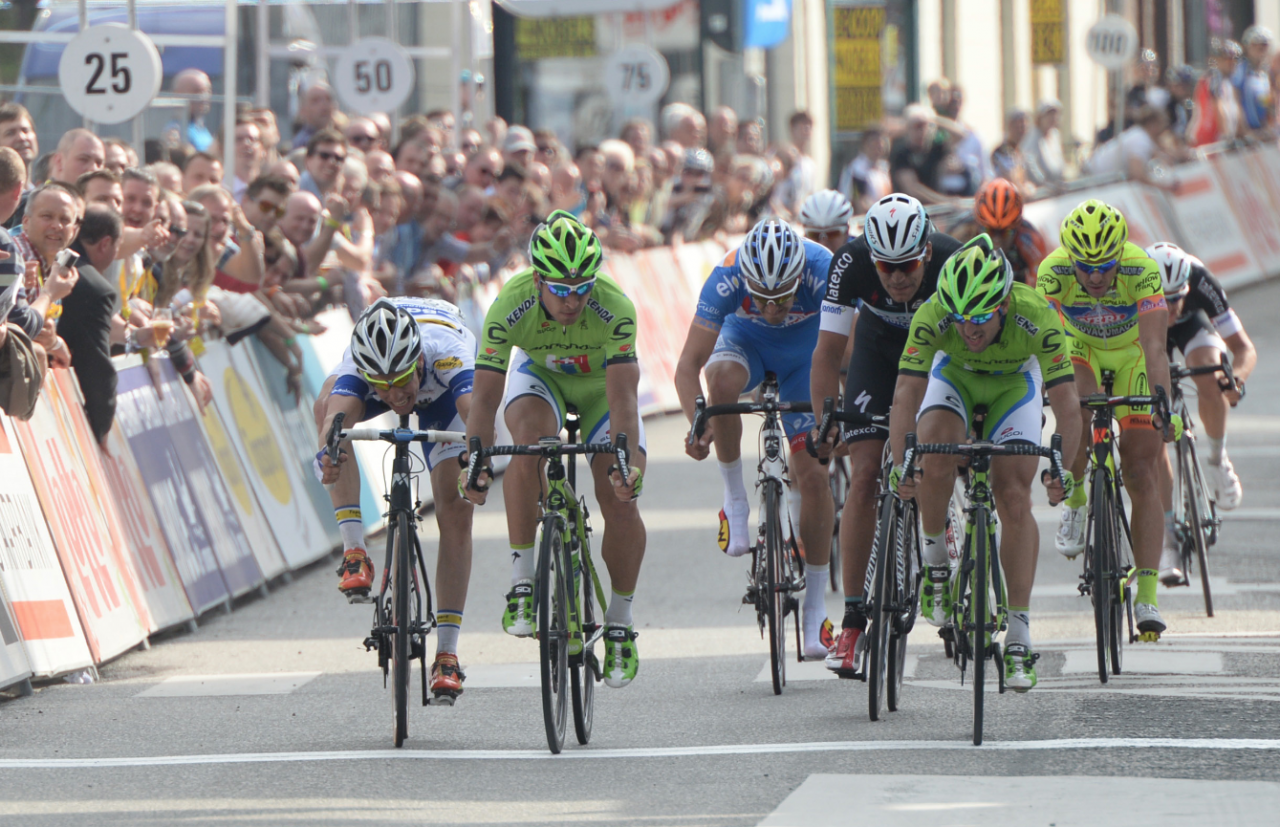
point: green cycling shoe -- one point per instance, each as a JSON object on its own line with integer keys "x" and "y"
{"x": 621, "y": 661}
{"x": 517, "y": 619}
{"x": 935, "y": 595}
{"x": 1020, "y": 667}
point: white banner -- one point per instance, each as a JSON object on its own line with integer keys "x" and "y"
{"x": 13, "y": 658}
{"x": 1209, "y": 228}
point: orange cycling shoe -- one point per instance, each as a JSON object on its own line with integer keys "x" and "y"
{"x": 357, "y": 574}
{"x": 446, "y": 679}
{"x": 843, "y": 658}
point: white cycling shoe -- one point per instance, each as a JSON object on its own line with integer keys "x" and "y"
{"x": 1069, "y": 541}
{"x": 1149, "y": 622}
{"x": 1224, "y": 484}
{"x": 1171, "y": 573}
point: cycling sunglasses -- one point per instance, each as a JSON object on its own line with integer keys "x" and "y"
{"x": 774, "y": 298}
{"x": 564, "y": 291}
{"x": 394, "y": 382}
{"x": 268, "y": 208}
{"x": 974, "y": 318}
{"x": 1090, "y": 269}
{"x": 889, "y": 267}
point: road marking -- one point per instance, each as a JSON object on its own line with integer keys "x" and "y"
{"x": 1220, "y": 744}
{"x": 816, "y": 670}
{"x": 194, "y": 686}
{"x": 897, "y": 800}
{"x": 503, "y": 676}
{"x": 1148, "y": 662}
{"x": 1221, "y": 587}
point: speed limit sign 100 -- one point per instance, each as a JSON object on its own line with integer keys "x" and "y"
{"x": 374, "y": 75}
{"x": 110, "y": 73}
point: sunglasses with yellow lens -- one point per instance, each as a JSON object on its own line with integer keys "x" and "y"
{"x": 394, "y": 382}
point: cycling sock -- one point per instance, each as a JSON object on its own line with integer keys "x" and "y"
{"x": 448, "y": 625}
{"x": 735, "y": 490}
{"x": 1078, "y": 497}
{"x": 1019, "y": 627}
{"x": 1217, "y": 450}
{"x": 737, "y": 510}
{"x": 935, "y": 548}
{"x": 815, "y": 606}
{"x": 855, "y": 615}
{"x": 350, "y": 525}
{"x": 1147, "y": 586}
{"x": 619, "y": 611}
{"x": 522, "y": 562}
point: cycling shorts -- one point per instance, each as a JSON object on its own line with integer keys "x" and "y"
{"x": 872, "y": 376}
{"x": 1015, "y": 410}
{"x": 1194, "y": 332}
{"x": 1129, "y": 365}
{"x": 787, "y": 353}
{"x": 586, "y": 396}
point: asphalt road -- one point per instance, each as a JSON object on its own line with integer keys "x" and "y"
{"x": 276, "y": 715}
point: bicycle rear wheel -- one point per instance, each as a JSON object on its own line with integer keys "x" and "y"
{"x": 775, "y": 597}
{"x": 978, "y": 617}
{"x": 839, "y": 480}
{"x": 584, "y": 675}
{"x": 400, "y": 584}
{"x": 553, "y": 632}
{"x": 1199, "y": 516}
{"x": 1119, "y": 589}
{"x": 905, "y": 594}
{"x": 1101, "y": 553}
{"x": 880, "y": 616}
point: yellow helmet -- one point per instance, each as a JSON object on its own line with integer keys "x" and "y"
{"x": 1094, "y": 233}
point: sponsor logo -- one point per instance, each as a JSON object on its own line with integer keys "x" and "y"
{"x": 605, "y": 315}
{"x": 1099, "y": 315}
{"x": 624, "y": 348}
{"x": 912, "y": 351}
{"x": 524, "y": 307}
{"x": 452, "y": 363}
{"x": 723, "y": 288}
{"x": 1009, "y": 432}
{"x": 571, "y": 365}
{"x": 1026, "y": 324}
{"x": 1057, "y": 358}
{"x": 1152, "y": 303}
{"x": 490, "y": 351}
{"x": 951, "y": 400}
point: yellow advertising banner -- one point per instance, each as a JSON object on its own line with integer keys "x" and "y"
{"x": 1048, "y": 33}
{"x": 858, "y": 75}
{"x": 541, "y": 37}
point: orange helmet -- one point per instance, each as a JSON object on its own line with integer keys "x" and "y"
{"x": 998, "y": 205}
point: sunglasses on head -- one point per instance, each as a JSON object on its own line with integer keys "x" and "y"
{"x": 1090, "y": 269}
{"x": 394, "y": 382}
{"x": 330, "y": 156}
{"x": 564, "y": 291}
{"x": 887, "y": 267}
{"x": 974, "y": 318}
{"x": 177, "y": 232}
{"x": 362, "y": 139}
{"x": 268, "y": 208}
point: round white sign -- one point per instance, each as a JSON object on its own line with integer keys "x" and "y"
{"x": 636, "y": 75}
{"x": 374, "y": 75}
{"x": 1112, "y": 42}
{"x": 110, "y": 73}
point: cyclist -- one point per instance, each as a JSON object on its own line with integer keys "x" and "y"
{"x": 576, "y": 331}
{"x": 758, "y": 312}
{"x": 889, "y": 271}
{"x": 1204, "y": 327}
{"x": 1116, "y": 317}
{"x": 997, "y": 211}
{"x": 825, "y": 216}
{"x": 984, "y": 340}
{"x": 406, "y": 356}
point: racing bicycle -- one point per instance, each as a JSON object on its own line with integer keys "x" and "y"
{"x": 403, "y": 612}
{"x": 567, "y": 591}
{"x": 777, "y": 574}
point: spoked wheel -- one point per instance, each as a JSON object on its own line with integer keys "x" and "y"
{"x": 401, "y": 577}
{"x": 978, "y": 618}
{"x": 775, "y": 597}
{"x": 1121, "y": 593}
{"x": 839, "y": 493}
{"x": 586, "y": 671}
{"x": 553, "y": 632}
{"x": 1199, "y": 517}
{"x": 880, "y": 628}
{"x": 905, "y": 593}
{"x": 1101, "y": 551}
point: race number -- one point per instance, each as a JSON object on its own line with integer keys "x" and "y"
{"x": 374, "y": 75}
{"x": 110, "y": 73}
{"x": 1112, "y": 42}
{"x": 636, "y": 75}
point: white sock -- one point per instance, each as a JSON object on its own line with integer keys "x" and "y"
{"x": 735, "y": 490}
{"x": 815, "y": 605}
{"x": 1019, "y": 628}
{"x": 935, "y": 549}
{"x": 619, "y": 611}
{"x": 448, "y": 625}
{"x": 350, "y": 526}
{"x": 1217, "y": 450}
{"x": 522, "y": 563}
{"x": 737, "y": 509}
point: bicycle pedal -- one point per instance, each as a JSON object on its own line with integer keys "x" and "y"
{"x": 1148, "y": 637}
{"x": 370, "y": 644}
{"x": 444, "y": 698}
{"x": 850, "y": 675}
{"x": 359, "y": 596}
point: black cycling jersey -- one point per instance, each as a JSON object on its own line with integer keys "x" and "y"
{"x": 1205, "y": 294}
{"x": 853, "y": 282}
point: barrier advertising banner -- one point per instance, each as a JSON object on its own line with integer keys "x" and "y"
{"x": 142, "y": 424}
{"x": 1251, "y": 202}
{"x": 13, "y": 658}
{"x": 39, "y": 599}
{"x": 111, "y": 622}
{"x": 235, "y": 555}
{"x": 1209, "y": 227}
{"x": 252, "y": 429}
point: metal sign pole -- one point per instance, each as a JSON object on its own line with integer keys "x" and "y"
{"x": 455, "y": 66}
{"x": 393, "y": 34}
{"x": 138, "y": 141}
{"x": 262, "y": 89}
{"x": 84, "y": 24}
{"x": 230, "y": 65}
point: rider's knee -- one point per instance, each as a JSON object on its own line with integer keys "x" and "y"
{"x": 1012, "y": 497}
{"x": 724, "y": 381}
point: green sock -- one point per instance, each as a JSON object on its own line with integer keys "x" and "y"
{"x": 1147, "y": 586}
{"x": 1078, "y": 497}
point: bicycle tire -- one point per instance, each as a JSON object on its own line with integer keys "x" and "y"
{"x": 400, "y": 580}
{"x": 839, "y": 480}
{"x": 1197, "y": 494}
{"x": 553, "y": 628}
{"x": 905, "y": 596}
{"x": 584, "y": 676}
{"x": 1120, "y": 595}
{"x": 880, "y": 623}
{"x": 1100, "y": 556}
{"x": 978, "y": 618}
{"x": 775, "y": 602}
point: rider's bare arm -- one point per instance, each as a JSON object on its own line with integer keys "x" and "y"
{"x": 698, "y": 346}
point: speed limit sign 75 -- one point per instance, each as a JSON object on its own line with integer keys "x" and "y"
{"x": 110, "y": 73}
{"x": 374, "y": 75}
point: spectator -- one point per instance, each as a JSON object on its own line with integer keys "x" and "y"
{"x": 1042, "y": 148}
{"x": 518, "y": 147}
{"x": 1182, "y": 84}
{"x": 19, "y": 356}
{"x": 238, "y": 260}
{"x": 269, "y": 130}
{"x": 263, "y": 202}
{"x": 79, "y": 151}
{"x": 693, "y": 200}
{"x": 865, "y": 179}
{"x": 411, "y": 193}
{"x": 566, "y": 189}
{"x": 483, "y": 169}
{"x": 249, "y": 156}
{"x": 380, "y": 166}
{"x": 471, "y": 203}
{"x": 413, "y": 155}
{"x": 326, "y": 153}
{"x": 470, "y": 142}
{"x": 88, "y": 312}
{"x": 1253, "y": 85}
{"x": 722, "y": 129}
{"x": 684, "y": 125}
{"x": 202, "y": 170}
{"x": 196, "y": 84}
{"x": 302, "y": 214}
{"x": 49, "y": 226}
{"x": 638, "y": 133}
{"x": 169, "y": 176}
{"x": 363, "y": 134}
{"x": 442, "y": 120}
{"x": 118, "y": 155}
{"x": 1131, "y": 154}
{"x": 102, "y": 186}
{"x": 284, "y": 169}
{"x": 1006, "y": 160}
{"x": 550, "y": 151}
{"x": 1217, "y": 115}
{"x": 18, "y": 133}
{"x": 750, "y": 137}
{"x": 916, "y": 159}
{"x": 802, "y": 181}
{"x": 315, "y": 113}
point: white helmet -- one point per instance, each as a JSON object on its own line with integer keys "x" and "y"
{"x": 1175, "y": 267}
{"x": 826, "y": 210}
{"x": 897, "y": 228}
{"x": 386, "y": 340}
{"x": 772, "y": 257}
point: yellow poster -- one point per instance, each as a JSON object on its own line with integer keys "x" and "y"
{"x": 1047, "y": 32}
{"x": 542, "y": 37}
{"x": 858, "y": 74}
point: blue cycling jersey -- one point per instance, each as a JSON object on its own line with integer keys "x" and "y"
{"x": 725, "y": 295}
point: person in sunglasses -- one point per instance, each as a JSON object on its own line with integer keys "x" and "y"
{"x": 264, "y": 200}
{"x": 880, "y": 278}
{"x": 406, "y": 356}
{"x": 758, "y": 311}
{"x": 1114, "y": 310}
{"x": 576, "y": 331}
{"x": 984, "y": 339}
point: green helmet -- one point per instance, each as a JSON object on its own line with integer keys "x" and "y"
{"x": 565, "y": 248}
{"x": 1094, "y": 233}
{"x": 976, "y": 279}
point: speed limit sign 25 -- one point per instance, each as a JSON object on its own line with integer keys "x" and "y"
{"x": 374, "y": 75}
{"x": 110, "y": 73}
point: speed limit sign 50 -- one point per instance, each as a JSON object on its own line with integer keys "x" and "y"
{"x": 110, "y": 73}
{"x": 374, "y": 75}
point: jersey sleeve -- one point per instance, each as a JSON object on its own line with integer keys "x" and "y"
{"x": 495, "y": 342}
{"x": 620, "y": 344}
{"x": 1147, "y": 290}
{"x": 928, "y": 325}
{"x": 836, "y": 318}
{"x": 719, "y": 297}
{"x": 1051, "y": 349}
{"x": 1050, "y": 283}
{"x": 840, "y": 278}
{"x": 454, "y": 362}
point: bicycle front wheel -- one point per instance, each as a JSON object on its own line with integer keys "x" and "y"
{"x": 839, "y": 493}
{"x": 1199, "y": 516}
{"x": 553, "y": 631}
{"x": 775, "y": 596}
{"x": 401, "y": 578}
{"x": 905, "y": 592}
{"x": 585, "y": 672}
{"x": 880, "y": 607}
{"x": 978, "y": 616}
{"x": 1101, "y": 552}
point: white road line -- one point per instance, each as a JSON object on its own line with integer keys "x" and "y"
{"x": 1148, "y": 662}
{"x": 1221, "y": 744}
{"x": 194, "y": 686}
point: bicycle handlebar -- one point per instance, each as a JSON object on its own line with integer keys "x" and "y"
{"x": 1159, "y": 402}
{"x": 703, "y": 412}
{"x": 830, "y": 416}
{"x": 983, "y": 449}
{"x": 543, "y": 449}
{"x": 1228, "y": 381}
{"x": 395, "y": 435}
